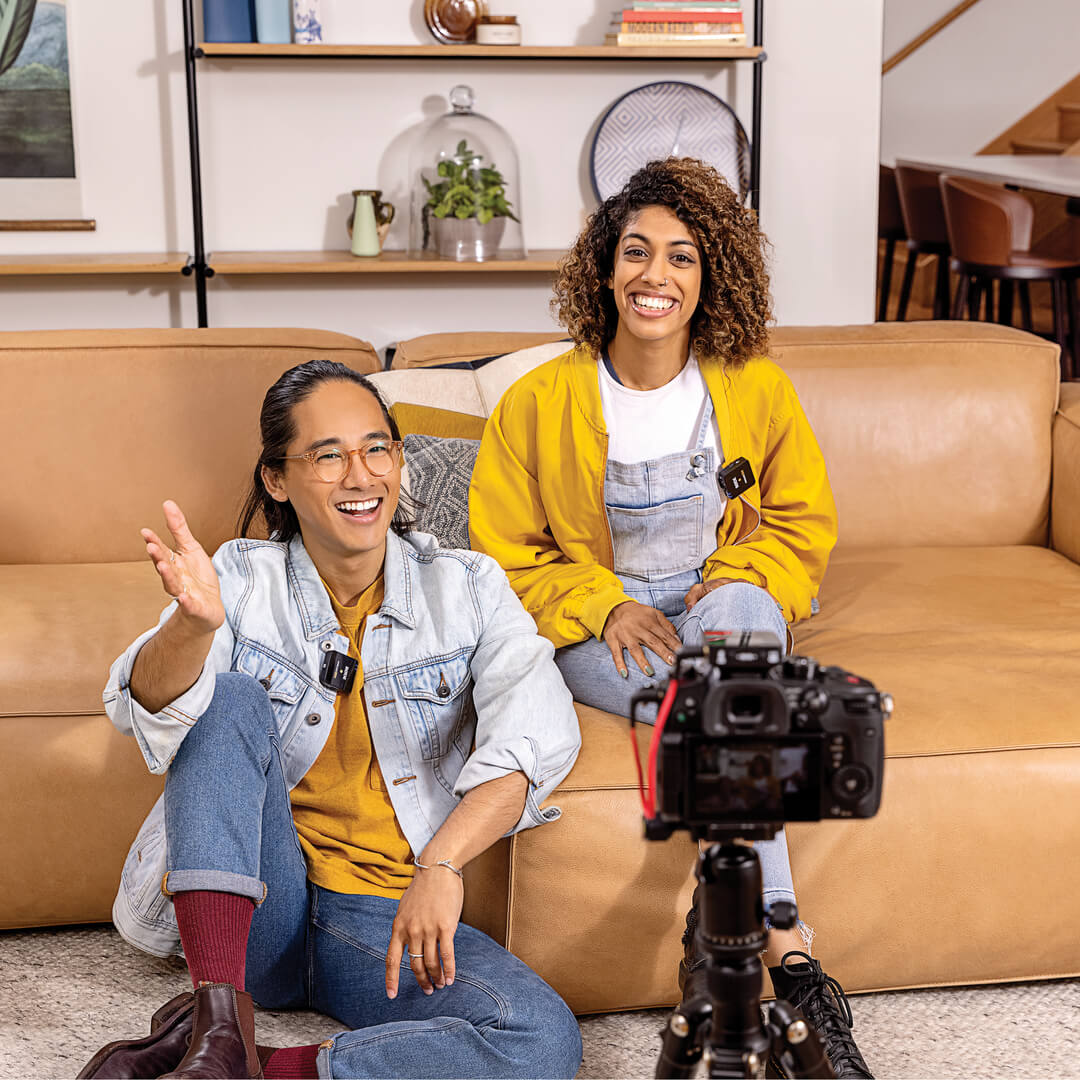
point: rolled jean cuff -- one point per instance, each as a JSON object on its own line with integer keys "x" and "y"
{"x": 176, "y": 881}
{"x": 323, "y": 1065}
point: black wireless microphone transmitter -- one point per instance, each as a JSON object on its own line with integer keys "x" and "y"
{"x": 338, "y": 671}
{"x": 735, "y": 478}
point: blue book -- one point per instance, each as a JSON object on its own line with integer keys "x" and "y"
{"x": 228, "y": 20}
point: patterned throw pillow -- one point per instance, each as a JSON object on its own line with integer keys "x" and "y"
{"x": 439, "y": 475}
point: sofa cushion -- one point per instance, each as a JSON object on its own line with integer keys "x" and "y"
{"x": 62, "y": 628}
{"x": 428, "y": 420}
{"x": 431, "y": 388}
{"x": 439, "y": 475}
{"x": 980, "y": 647}
{"x": 101, "y": 426}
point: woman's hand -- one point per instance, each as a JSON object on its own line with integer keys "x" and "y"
{"x": 698, "y": 591}
{"x": 187, "y": 573}
{"x": 426, "y": 921}
{"x": 631, "y": 625}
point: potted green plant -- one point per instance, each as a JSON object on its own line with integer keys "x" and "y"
{"x": 466, "y": 208}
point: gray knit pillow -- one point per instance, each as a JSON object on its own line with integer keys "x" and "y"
{"x": 439, "y": 475}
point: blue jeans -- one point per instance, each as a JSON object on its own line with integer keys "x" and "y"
{"x": 229, "y": 828}
{"x": 590, "y": 674}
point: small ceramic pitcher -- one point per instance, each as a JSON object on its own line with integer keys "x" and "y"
{"x": 369, "y": 221}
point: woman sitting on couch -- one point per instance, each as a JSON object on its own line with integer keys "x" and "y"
{"x": 596, "y": 485}
{"x": 345, "y": 714}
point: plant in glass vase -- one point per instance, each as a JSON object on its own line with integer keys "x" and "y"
{"x": 466, "y": 208}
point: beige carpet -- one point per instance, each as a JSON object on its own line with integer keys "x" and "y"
{"x": 64, "y": 993}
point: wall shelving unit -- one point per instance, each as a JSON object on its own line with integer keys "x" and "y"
{"x": 202, "y": 266}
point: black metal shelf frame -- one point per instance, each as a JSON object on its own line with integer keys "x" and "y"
{"x": 199, "y": 268}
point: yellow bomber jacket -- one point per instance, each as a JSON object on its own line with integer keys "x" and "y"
{"x": 536, "y": 501}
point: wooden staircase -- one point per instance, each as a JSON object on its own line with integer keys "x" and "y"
{"x": 1052, "y": 127}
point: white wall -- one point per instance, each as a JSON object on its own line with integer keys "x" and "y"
{"x": 284, "y": 142}
{"x": 977, "y": 77}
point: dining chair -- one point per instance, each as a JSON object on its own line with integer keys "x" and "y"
{"x": 924, "y": 223}
{"x": 990, "y": 230}
{"x": 890, "y": 229}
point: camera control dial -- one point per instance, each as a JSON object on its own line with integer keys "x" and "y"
{"x": 814, "y": 699}
{"x": 798, "y": 667}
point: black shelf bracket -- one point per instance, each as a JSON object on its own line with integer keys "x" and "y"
{"x": 755, "y": 134}
{"x": 199, "y": 268}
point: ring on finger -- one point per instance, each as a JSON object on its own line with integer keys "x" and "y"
{"x": 416, "y": 956}
{"x": 172, "y": 556}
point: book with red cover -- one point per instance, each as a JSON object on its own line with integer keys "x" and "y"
{"x": 679, "y": 29}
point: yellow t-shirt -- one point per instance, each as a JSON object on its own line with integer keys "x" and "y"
{"x": 343, "y": 814}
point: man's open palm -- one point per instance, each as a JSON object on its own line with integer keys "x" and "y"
{"x": 186, "y": 571}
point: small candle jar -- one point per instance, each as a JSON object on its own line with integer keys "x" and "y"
{"x": 498, "y": 30}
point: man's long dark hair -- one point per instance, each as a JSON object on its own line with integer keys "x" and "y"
{"x": 278, "y": 429}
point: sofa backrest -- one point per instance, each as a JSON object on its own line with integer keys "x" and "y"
{"x": 100, "y": 426}
{"x": 933, "y": 433}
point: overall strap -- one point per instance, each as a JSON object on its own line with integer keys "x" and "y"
{"x": 706, "y": 417}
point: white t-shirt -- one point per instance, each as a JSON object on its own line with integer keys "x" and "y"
{"x": 647, "y": 424}
{"x": 644, "y": 425}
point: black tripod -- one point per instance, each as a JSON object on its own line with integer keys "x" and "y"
{"x": 720, "y": 1017}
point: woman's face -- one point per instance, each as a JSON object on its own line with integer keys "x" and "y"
{"x": 349, "y": 516}
{"x": 657, "y": 276}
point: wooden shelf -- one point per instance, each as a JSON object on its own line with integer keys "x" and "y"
{"x": 170, "y": 262}
{"x": 250, "y": 51}
{"x": 389, "y": 262}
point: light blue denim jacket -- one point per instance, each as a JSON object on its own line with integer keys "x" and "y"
{"x": 448, "y": 621}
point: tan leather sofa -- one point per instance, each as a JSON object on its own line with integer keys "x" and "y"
{"x": 955, "y": 586}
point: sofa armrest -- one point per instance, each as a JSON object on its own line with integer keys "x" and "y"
{"x": 1065, "y": 485}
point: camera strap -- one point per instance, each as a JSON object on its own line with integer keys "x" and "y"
{"x": 647, "y": 788}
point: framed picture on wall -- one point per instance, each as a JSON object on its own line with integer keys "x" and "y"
{"x": 38, "y": 174}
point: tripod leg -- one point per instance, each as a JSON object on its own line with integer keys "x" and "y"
{"x": 793, "y": 1036}
{"x": 681, "y": 1050}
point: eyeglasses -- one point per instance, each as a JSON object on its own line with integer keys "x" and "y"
{"x": 331, "y": 463}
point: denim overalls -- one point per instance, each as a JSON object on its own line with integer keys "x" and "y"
{"x": 658, "y": 512}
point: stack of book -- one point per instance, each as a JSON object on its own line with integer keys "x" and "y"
{"x": 678, "y": 22}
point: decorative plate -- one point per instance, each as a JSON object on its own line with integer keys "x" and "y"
{"x": 453, "y": 22}
{"x": 668, "y": 119}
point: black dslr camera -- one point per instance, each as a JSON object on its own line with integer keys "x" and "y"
{"x": 746, "y": 741}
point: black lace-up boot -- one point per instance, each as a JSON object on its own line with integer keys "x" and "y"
{"x": 800, "y": 980}
{"x": 693, "y": 958}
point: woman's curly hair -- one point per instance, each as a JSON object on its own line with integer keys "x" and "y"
{"x": 732, "y": 317}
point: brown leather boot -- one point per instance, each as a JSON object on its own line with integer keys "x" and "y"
{"x": 222, "y": 1036}
{"x": 129, "y": 1059}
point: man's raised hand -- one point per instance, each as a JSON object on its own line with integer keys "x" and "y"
{"x": 186, "y": 571}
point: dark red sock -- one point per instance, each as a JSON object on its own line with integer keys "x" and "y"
{"x": 214, "y": 930}
{"x": 292, "y": 1063}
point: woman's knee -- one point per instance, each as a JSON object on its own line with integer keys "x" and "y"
{"x": 738, "y": 605}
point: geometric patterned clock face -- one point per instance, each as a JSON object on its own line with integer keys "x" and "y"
{"x": 668, "y": 119}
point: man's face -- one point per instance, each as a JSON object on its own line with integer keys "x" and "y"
{"x": 349, "y": 516}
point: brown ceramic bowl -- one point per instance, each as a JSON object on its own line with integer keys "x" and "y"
{"x": 453, "y": 22}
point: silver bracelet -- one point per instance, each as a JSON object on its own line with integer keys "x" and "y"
{"x": 442, "y": 862}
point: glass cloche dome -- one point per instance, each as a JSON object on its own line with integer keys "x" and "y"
{"x": 465, "y": 187}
